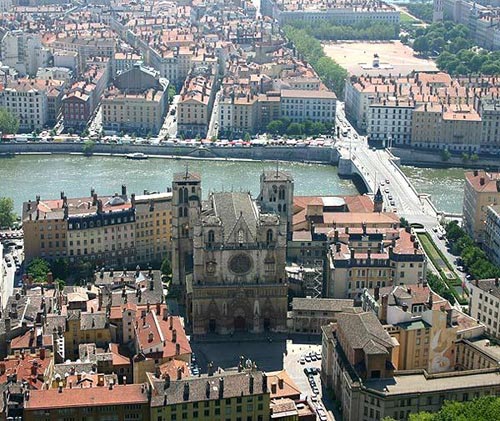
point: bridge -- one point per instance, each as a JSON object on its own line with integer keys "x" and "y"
{"x": 378, "y": 167}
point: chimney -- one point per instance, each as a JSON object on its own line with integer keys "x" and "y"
{"x": 179, "y": 373}
{"x": 171, "y": 321}
{"x": 132, "y": 200}
{"x": 482, "y": 181}
{"x": 383, "y": 310}
{"x": 280, "y": 383}
{"x": 497, "y": 282}
{"x": 99, "y": 206}
{"x": 158, "y": 309}
{"x": 264, "y": 382}
{"x": 404, "y": 307}
{"x": 50, "y": 278}
{"x": 430, "y": 301}
{"x": 250, "y": 384}
{"x": 207, "y": 390}
{"x": 174, "y": 336}
{"x": 186, "y": 391}
{"x": 210, "y": 369}
{"x": 273, "y": 387}
{"x": 165, "y": 314}
{"x": 166, "y": 383}
{"x": 376, "y": 293}
{"x": 124, "y": 190}
{"x": 221, "y": 387}
{"x": 177, "y": 349}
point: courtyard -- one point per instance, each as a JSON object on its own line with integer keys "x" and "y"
{"x": 395, "y": 58}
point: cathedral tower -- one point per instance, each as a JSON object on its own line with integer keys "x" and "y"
{"x": 186, "y": 207}
{"x": 276, "y": 196}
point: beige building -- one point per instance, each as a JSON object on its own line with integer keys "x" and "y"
{"x": 153, "y": 226}
{"x": 100, "y": 228}
{"x": 137, "y": 102}
{"x": 481, "y": 190}
{"x": 367, "y": 258}
{"x": 300, "y": 105}
{"x": 358, "y": 363}
{"x": 238, "y": 113}
{"x": 194, "y": 108}
{"x": 309, "y": 315}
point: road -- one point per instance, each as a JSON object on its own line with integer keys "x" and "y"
{"x": 169, "y": 128}
{"x": 213, "y": 126}
{"x": 9, "y": 278}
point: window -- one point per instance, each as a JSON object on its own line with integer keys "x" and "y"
{"x": 269, "y": 236}
{"x": 211, "y": 237}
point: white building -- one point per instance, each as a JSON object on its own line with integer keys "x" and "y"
{"x": 5, "y": 5}
{"x": 492, "y": 233}
{"x": 57, "y": 73}
{"x": 484, "y": 304}
{"x": 24, "y": 52}
{"x": 390, "y": 121}
{"x": 68, "y": 59}
{"x": 301, "y": 105}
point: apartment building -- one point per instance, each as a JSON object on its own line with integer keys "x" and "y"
{"x": 100, "y": 228}
{"x": 492, "y": 234}
{"x": 484, "y": 302}
{"x": 366, "y": 258}
{"x": 195, "y": 105}
{"x": 36, "y": 102}
{"x": 122, "y": 62}
{"x": 481, "y": 190}
{"x": 345, "y": 13}
{"x": 358, "y": 363}
{"x": 238, "y": 112}
{"x": 309, "y": 315}
{"x": 228, "y": 395}
{"x": 301, "y": 105}
{"x": 137, "y": 102}
{"x": 424, "y": 324}
{"x": 99, "y": 402}
{"x": 59, "y": 73}
{"x": 390, "y": 122}
{"x": 153, "y": 226}
{"x": 24, "y": 52}
{"x": 489, "y": 109}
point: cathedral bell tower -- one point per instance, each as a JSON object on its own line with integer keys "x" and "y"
{"x": 186, "y": 208}
{"x": 276, "y": 196}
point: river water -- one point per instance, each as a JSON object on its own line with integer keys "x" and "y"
{"x": 446, "y": 186}
{"x": 24, "y": 177}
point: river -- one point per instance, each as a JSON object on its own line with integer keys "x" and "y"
{"x": 446, "y": 186}
{"x": 24, "y": 176}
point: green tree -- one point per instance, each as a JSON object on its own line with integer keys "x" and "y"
{"x": 88, "y": 147}
{"x": 295, "y": 129}
{"x": 38, "y": 268}
{"x": 421, "y": 45}
{"x": 276, "y": 127}
{"x": 7, "y": 215}
{"x": 9, "y": 123}
{"x": 60, "y": 268}
{"x": 445, "y": 155}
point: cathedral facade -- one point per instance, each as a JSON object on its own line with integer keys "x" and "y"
{"x": 229, "y": 254}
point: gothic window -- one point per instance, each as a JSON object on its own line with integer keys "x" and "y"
{"x": 211, "y": 237}
{"x": 284, "y": 207}
{"x": 181, "y": 212}
{"x": 281, "y": 195}
{"x": 183, "y": 195}
{"x": 279, "y": 207}
{"x": 269, "y": 236}
{"x": 240, "y": 237}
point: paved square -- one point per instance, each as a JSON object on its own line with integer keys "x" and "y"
{"x": 395, "y": 57}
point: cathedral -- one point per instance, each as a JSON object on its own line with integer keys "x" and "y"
{"x": 228, "y": 254}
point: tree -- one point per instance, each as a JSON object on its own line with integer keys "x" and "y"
{"x": 7, "y": 215}
{"x": 294, "y": 129}
{"x": 247, "y": 137}
{"x": 88, "y": 147}
{"x": 421, "y": 44}
{"x": 445, "y": 155}
{"x": 9, "y": 123}
{"x": 60, "y": 268}
{"x": 275, "y": 127}
{"x": 38, "y": 268}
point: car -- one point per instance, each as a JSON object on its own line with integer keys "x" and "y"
{"x": 308, "y": 359}
{"x": 314, "y": 397}
{"x": 315, "y": 390}
{"x": 313, "y": 356}
{"x": 308, "y": 371}
{"x": 460, "y": 268}
{"x": 318, "y": 356}
{"x": 302, "y": 360}
{"x": 387, "y": 181}
{"x": 382, "y": 184}
{"x": 387, "y": 190}
{"x": 393, "y": 203}
{"x": 389, "y": 197}
{"x": 9, "y": 264}
{"x": 195, "y": 371}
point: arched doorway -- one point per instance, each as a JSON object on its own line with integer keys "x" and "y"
{"x": 239, "y": 323}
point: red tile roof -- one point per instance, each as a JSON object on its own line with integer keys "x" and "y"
{"x": 92, "y": 396}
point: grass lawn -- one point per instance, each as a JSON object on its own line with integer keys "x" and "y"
{"x": 406, "y": 18}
